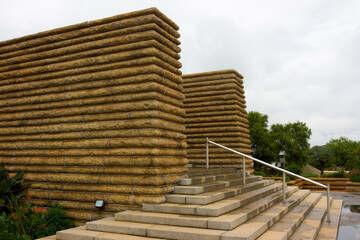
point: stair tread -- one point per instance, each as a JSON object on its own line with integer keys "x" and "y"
{"x": 230, "y": 220}
{"x": 224, "y": 222}
{"x": 82, "y": 233}
{"x": 122, "y": 227}
{"x": 216, "y": 195}
{"x": 198, "y": 190}
{"x": 329, "y": 230}
{"x": 288, "y": 223}
{"x": 258, "y": 225}
{"x": 312, "y": 222}
{"x": 226, "y": 205}
{"x": 203, "y": 171}
{"x": 187, "y": 181}
{"x": 168, "y": 232}
{"x": 209, "y": 186}
{"x": 212, "y": 209}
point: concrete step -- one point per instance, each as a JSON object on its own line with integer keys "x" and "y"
{"x": 227, "y": 221}
{"x": 210, "y": 178}
{"x": 212, "y": 171}
{"x": 109, "y": 225}
{"x": 177, "y": 232}
{"x": 238, "y": 216}
{"x": 310, "y": 227}
{"x": 210, "y": 186}
{"x": 253, "y": 182}
{"x": 285, "y": 227}
{"x": 80, "y": 233}
{"x": 255, "y": 227}
{"x": 330, "y": 230}
{"x": 216, "y": 208}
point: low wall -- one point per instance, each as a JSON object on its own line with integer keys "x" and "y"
{"x": 336, "y": 184}
{"x": 353, "y": 187}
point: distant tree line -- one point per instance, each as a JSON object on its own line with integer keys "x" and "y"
{"x": 293, "y": 138}
{"x": 341, "y": 152}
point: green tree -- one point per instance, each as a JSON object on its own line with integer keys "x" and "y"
{"x": 321, "y": 157}
{"x": 260, "y": 136}
{"x": 293, "y": 138}
{"x": 354, "y": 159}
{"x": 341, "y": 149}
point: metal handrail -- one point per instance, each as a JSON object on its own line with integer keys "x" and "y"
{"x": 274, "y": 167}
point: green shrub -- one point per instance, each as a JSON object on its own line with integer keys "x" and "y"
{"x": 11, "y": 189}
{"x": 25, "y": 222}
{"x": 339, "y": 174}
{"x": 19, "y": 220}
{"x": 56, "y": 219}
{"x": 294, "y": 168}
{"x": 355, "y": 178}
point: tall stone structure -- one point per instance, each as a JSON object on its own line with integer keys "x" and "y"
{"x": 94, "y": 111}
{"x": 215, "y": 108}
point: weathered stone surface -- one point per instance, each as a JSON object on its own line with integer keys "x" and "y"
{"x": 215, "y": 108}
{"x": 94, "y": 111}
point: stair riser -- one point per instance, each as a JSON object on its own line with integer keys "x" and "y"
{"x": 205, "y": 222}
{"x": 202, "y": 200}
{"x": 226, "y": 194}
{"x": 204, "y": 211}
{"x": 203, "y": 172}
{"x": 271, "y": 220}
{"x": 194, "y": 190}
{"x": 206, "y": 179}
{"x": 229, "y": 225}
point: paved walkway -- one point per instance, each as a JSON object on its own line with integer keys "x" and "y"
{"x": 349, "y": 221}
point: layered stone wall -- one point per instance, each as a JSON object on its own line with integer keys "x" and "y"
{"x": 94, "y": 111}
{"x": 215, "y": 108}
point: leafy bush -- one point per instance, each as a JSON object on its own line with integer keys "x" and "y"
{"x": 11, "y": 189}
{"x": 24, "y": 222}
{"x": 19, "y": 220}
{"x": 339, "y": 174}
{"x": 355, "y": 178}
{"x": 56, "y": 219}
{"x": 354, "y": 175}
{"x": 294, "y": 168}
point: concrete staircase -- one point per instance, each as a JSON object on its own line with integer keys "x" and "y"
{"x": 213, "y": 204}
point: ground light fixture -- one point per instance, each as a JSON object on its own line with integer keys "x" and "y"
{"x": 99, "y": 204}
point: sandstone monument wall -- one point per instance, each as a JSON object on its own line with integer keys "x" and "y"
{"x": 215, "y": 108}
{"x": 94, "y": 111}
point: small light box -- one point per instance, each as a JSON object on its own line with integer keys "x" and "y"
{"x": 99, "y": 203}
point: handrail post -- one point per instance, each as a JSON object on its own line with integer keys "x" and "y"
{"x": 244, "y": 172}
{"x": 207, "y": 153}
{"x": 284, "y": 186}
{"x": 328, "y": 203}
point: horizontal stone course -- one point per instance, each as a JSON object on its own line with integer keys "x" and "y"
{"x": 94, "y": 111}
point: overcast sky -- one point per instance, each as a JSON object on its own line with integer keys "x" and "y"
{"x": 300, "y": 59}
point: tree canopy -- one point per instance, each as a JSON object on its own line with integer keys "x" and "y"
{"x": 341, "y": 152}
{"x": 293, "y": 138}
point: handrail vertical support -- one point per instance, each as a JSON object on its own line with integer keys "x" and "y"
{"x": 244, "y": 171}
{"x": 207, "y": 153}
{"x": 284, "y": 186}
{"x": 328, "y": 203}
